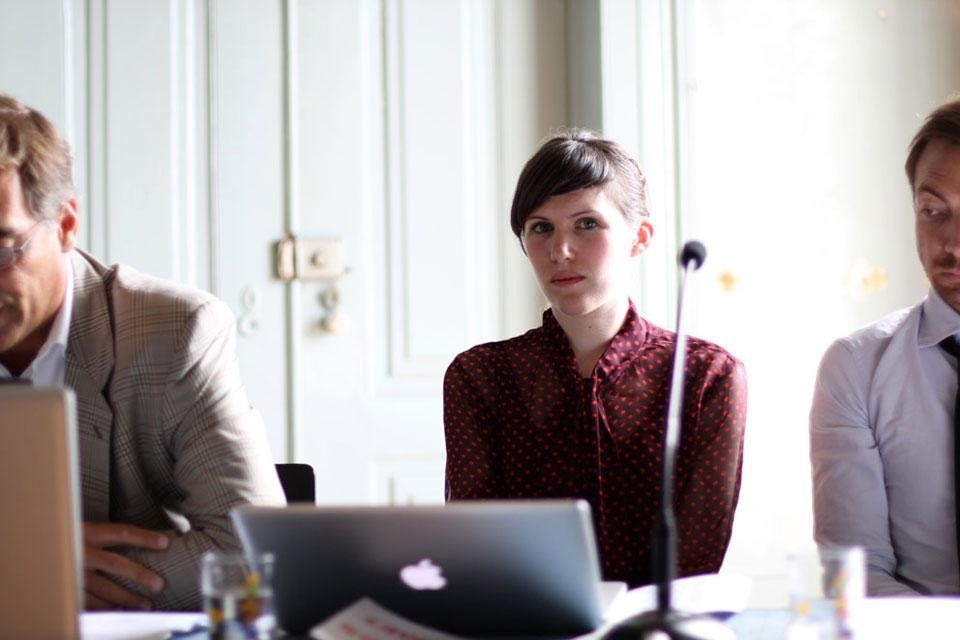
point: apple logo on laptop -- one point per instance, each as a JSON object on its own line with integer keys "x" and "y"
{"x": 423, "y": 576}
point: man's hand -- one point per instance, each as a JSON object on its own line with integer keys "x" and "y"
{"x": 99, "y": 563}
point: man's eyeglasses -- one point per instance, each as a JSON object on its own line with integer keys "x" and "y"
{"x": 10, "y": 255}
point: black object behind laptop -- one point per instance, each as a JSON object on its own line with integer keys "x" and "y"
{"x": 298, "y": 481}
{"x": 470, "y": 568}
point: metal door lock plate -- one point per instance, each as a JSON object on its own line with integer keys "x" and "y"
{"x": 310, "y": 260}
{"x": 320, "y": 259}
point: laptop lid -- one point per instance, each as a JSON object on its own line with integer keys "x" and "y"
{"x": 469, "y": 568}
{"x": 39, "y": 509}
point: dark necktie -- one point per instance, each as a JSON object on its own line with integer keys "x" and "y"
{"x": 950, "y": 345}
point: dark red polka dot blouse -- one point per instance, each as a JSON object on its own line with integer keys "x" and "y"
{"x": 521, "y": 422}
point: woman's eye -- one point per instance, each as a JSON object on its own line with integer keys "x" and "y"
{"x": 539, "y": 227}
{"x": 587, "y": 223}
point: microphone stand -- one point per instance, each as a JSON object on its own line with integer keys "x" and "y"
{"x": 665, "y": 621}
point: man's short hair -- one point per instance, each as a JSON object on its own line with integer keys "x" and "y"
{"x": 578, "y": 159}
{"x": 31, "y": 144}
{"x": 942, "y": 124}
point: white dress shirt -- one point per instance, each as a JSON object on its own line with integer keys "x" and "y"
{"x": 48, "y": 368}
{"x": 881, "y": 447}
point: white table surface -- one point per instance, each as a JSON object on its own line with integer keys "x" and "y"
{"x": 883, "y": 619}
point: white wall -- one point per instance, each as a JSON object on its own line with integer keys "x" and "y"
{"x": 796, "y": 119}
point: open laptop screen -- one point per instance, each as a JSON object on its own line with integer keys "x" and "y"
{"x": 39, "y": 512}
{"x": 469, "y": 568}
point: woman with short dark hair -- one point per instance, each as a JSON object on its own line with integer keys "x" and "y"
{"x": 576, "y": 408}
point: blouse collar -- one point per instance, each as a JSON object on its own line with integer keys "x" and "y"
{"x": 622, "y": 349}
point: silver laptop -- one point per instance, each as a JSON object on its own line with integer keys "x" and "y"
{"x": 40, "y": 514}
{"x": 470, "y": 568}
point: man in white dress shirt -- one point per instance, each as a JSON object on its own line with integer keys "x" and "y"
{"x": 882, "y": 434}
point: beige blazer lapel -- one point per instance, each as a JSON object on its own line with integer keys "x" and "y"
{"x": 89, "y": 363}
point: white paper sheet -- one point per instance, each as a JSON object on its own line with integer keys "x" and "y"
{"x": 124, "y": 625}
{"x": 366, "y": 620}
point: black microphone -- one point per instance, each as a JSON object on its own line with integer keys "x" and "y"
{"x": 665, "y": 620}
{"x": 693, "y": 252}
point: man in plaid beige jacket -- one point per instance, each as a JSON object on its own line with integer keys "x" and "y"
{"x": 168, "y": 441}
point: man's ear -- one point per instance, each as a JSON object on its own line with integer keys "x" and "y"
{"x": 68, "y": 224}
{"x": 643, "y": 237}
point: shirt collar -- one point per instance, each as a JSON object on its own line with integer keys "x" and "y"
{"x": 937, "y": 320}
{"x": 624, "y": 346}
{"x": 60, "y": 329}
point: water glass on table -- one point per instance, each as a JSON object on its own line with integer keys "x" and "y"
{"x": 826, "y": 589}
{"x": 238, "y": 595}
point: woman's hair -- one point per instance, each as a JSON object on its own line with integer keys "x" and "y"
{"x": 578, "y": 159}
{"x": 30, "y": 144}
{"x": 942, "y": 124}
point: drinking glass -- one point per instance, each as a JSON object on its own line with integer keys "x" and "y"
{"x": 826, "y": 589}
{"x": 238, "y": 595}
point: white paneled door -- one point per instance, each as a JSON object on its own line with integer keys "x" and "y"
{"x": 389, "y": 157}
{"x": 204, "y": 132}
{"x": 357, "y": 123}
